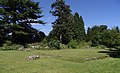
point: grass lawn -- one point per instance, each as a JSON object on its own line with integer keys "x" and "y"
{"x": 58, "y": 61}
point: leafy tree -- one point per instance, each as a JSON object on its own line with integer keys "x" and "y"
{"x": 94, "y": 34}
{"x": 61, "y": 26}
{"x": 110, "y": 38}
{"x": 116, "y": 29}
{"x": 100, "y": 35}
{"x": 103, "y": 27}
{"x": 16, "y": 17}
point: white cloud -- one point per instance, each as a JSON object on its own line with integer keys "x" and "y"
{"x": 34, "y": 23}
{"x": 49, "y": 18}
{"x": 99, "y": 24}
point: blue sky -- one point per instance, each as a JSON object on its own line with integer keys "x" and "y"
{"x": 94, "y": 12}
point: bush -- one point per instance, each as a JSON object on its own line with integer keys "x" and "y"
{"x": 101, "y": 47}
{"x": 118, "y": 48}
{"x": 55, "y": 44}
{"x": 73, "y": 44}
{"x": 84, "y": 45}
{"x": 6, "y": 47}
{"x": 63, "y": 46}
{"x": 43, "y": 45}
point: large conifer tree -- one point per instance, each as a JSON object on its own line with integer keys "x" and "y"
{"x": 78, "y": 28}
{"x": 61, "y": 25}
{"x": 16, "y": 17}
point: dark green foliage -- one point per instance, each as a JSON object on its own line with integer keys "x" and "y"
{"x": 82, "y": 29}
{"x": 9, "y": 46}
{"x": 2, "y": 35}
{"x": 94, "y": 34}
{"x": 20, "y": 11}
{"x": 66, "y": 27}
{"x": 110, "y": 38}
{"x": 62, "y": 23}
{"x": 96, "y": 39}
{"x": 16, "y": 17}
{"x": 55, "y": 44}
{"x": 24, "y": 38}
{"x": 78, "y": 29}
{"x": 100, "y": 35}
{"x": 117, "y": 29}
{"x": 73, "y": 44}
{"x": 88, "y": 36}
{"x": 38, "y": 37}
{"x": 52, "y": 36}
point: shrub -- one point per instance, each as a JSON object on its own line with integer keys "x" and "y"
{"x": 43, "y": 45}
{"x": 63, "y": 46}
{"x": 101, "y": 47}
{"x": 84, "y": 45}
{"x": 6, "y": 47}
{"x": 55, "y": 44}
{"x": 73, "y": 44}
{"x": 118, "y": 48}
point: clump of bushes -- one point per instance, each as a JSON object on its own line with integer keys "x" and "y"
{"x": 118, "y": 48}
{"x": 55, "y": 44}
{"x": 73, "y": 44}
{"x": 101, "y": 47}
{"x": 9, "y": 46}
{"x": 43, "y": 45}
{"x": 63, "y": 46}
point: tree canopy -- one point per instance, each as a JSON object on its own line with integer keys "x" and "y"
{"x": 78, "y": 28}
{"x": 60, "y": 26}
{"x": 67, "y": 26}
{"x": 16, "y": 17}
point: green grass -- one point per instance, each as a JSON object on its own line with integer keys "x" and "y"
{"x": 57, "y": 61}
{"x": 74, "y": 54}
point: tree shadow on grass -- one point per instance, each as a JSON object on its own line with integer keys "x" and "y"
{"x": 111, "y": 53}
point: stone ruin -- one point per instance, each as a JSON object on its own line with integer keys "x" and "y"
{"x": 33, "y": 57}
{"x": 22, "y": 48}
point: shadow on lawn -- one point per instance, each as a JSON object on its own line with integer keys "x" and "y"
{"x": 112, "y": 53}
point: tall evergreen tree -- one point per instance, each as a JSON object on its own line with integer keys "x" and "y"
{"x": 61, "y": 25}
{"x": 83, "y": 34}
{"x": 2, "y": 35}
{"x": 78, "y": 28}
{"x": 117, "y": 29}
{"x": 16, "y": 17}
{"x": 88, "y": 36}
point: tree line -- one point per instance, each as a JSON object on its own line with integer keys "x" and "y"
{"x": 16, "y": 17}
{"x": 101, "y": 35}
